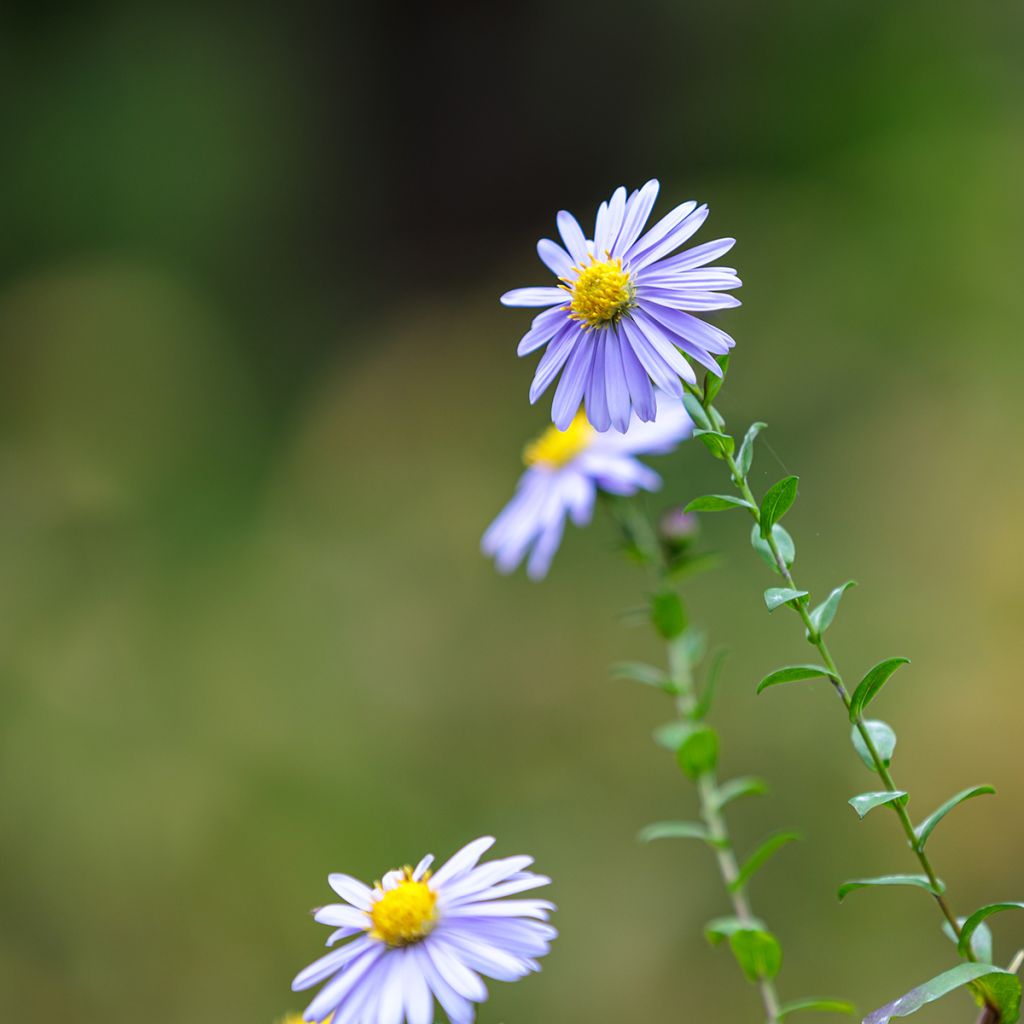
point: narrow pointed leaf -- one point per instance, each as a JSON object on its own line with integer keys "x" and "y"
{"x": 869, "y": 801}
{"x": 975, "y": 922}
{"x": 670, "y": 736}
{"x": 777, "y": 502}
{"x": 716, "y": 503}
{"x": 718, "y": 444}
{"x": 924, "y": 830}
{"x": 936, "y": 988}
{"x": 696, "y": 411}
{"x": 748, "y": 785}
{"x": 698, "y": 752}
{"x": 745, "y": 458}
{"x": 640, "y": 672}
{"x": 757, "y": 952}
{"x": 722, "y": 927}
{"x": 775, "y": 596}
{"x": 760, "y": 855}
{"x": 667, "y": 615}
{"x": 981, "y": 940}
{"x": 818, "y": 1005}
{"x": 673, "y": 830}
{"x": 822, "y": 616}
{"x": 707, "y": 693}
{"x": 790, "y": 674}
{"x": 783, "y": 541}
{"x": 869, "y": 686}
{"x": 883, "y": 738}
{"x": 919, "y": 881}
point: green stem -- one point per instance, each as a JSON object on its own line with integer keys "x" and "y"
{"x": 814, "y": 636}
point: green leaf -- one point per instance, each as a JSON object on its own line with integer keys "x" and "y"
{"x": 696, "y": 411}
{"x": 822, "y": 616}
{"x": 641, "y": 672}
{"x": 1000, "y": 989}
{"x": 667, "y": 615}
{"x": 760, "y": 855}
{"x": 819, "y": 1005}
{"x": 707, "y": 693}
{"x": 924, "y": 830}
{"x": 775, "y": 596}
{"x": 713, "y": 383}
{"x": 722, "y": 927}
{"x": 757, "y": 952}
{"x": 883, "y": 738}
{"x": 869, "y": 801}
{"x": 791, "y": 673}
{"x": 698, "y": 752}
{"x": 869, "y": 686}
{"x": 981, "y": 940}
{"x": 748, "y": 785}
{"x": 745, "y": 458}
{"x": 783, "y": 541}
{"x": 674, "y": 830}
{"x": 974, "y": 923}
{"x": 920, "y": 881}
{"x": 936, "y": 988}
{"x": 777, "y": 502}
{"x": 716, "y": 503}
{"x": 718, "y": 444}
{"x": 670, "y": 736}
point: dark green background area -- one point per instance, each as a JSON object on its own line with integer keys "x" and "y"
{"x": 258, "y": 402}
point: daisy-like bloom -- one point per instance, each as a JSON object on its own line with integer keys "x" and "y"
{"x": 565, "y": 469}
{"x": 622, "y": 315}
{"x": 422, "y": 936}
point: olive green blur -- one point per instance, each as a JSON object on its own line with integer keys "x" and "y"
{"x": 258, "y": 402}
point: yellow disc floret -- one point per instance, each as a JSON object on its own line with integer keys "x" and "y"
{"x": 601, "y": 293}
{"x": 405, "y": 914}
{"x": 556, "y": 447}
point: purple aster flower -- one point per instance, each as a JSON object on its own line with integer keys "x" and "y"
{"x": 565, "y": 469}
{"x": 622, "y": 316}
{"x": 422, "y": 936}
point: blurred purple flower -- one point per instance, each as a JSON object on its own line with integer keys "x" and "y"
{"x": 424, "y": 936}
{"x": 621, "y": 318}
{"x": 565, "y": 469}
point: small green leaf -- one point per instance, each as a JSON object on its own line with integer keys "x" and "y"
{"x": 882, "y": 737}
{"x": 748, "y": 785}
{"x": 783, "y": 541}
{"x": 760, "y": 855}
{"x": 745, "y": 458}
{"x": 713, "y": 383}
{"x": 920, "y": 881}
{"x": 869, "y": 686}
{"x": 718, "y": 444}
{"x": 1001, "y": 990}
{"x": 722, "y": 927}
{"x": 777, "y": 502}
{"x": 673, "y": 830}
{"x": 671, "y": 734}
{"x": 698, "y": 752}
{"x": 790, "y": 674}
{"x": 757, "y": 952}
{"x": 707, "y": 693}
{"x": 667, "y": 615}
{"x": 641, "y": 672}
{"x": 924, "y": 830}
{"x": 981, "y": 940}
{"x": 696, "y": 411}
{"x": 869, "y": 801}
{"x": 822, "y": 616}
{"x": 819, "y": 1005}
{"x": 936, "y": 988}
{"x": 716, "y": 503}
{"x": 775, "y": 596}
{"x": 974, "y": 922}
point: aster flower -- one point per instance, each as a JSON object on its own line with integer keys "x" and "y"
{"x": 565, "y": 469}
{"x": 621, "y": 316}
{"x": 422, "y": 936}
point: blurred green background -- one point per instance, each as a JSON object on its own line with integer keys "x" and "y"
{"x": 258, "y": 402}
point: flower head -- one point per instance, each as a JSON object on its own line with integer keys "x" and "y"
{"x": 621, "y": 318}
{"x": 417, "y": 936}
{"x": 564, "y": 471}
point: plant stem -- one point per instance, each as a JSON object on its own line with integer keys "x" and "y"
{"x": 739, "y": 479}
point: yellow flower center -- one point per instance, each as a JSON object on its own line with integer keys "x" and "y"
{"x": 601, "y": 293}
{"x": 405, "y": 914}
{"x": 556, "y": 447}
